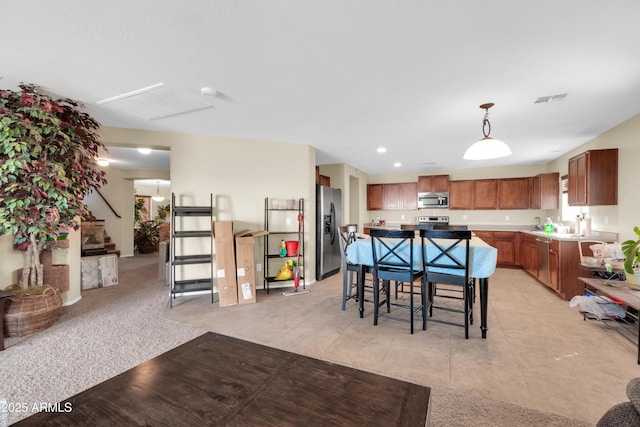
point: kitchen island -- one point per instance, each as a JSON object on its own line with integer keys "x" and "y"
{"x": 553, "y": 260}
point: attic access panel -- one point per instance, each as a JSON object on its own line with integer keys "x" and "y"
{"x": 155, "y": 102}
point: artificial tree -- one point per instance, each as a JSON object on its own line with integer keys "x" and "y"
{"x": 48, "y": 148}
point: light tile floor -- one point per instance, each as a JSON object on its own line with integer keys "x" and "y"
{"x": 539, "y": 353}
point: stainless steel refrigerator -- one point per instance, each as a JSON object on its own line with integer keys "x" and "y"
{"x": 328, "y": 220}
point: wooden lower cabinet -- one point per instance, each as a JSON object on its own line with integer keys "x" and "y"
{"x": 554, "y": 258}
{"x": 486, "y": 236}
{"x": 567, "y": 270}
{"x": 506, "y": 242}
{"x": 563, "y": 264}
{"x": 529, "y": 254}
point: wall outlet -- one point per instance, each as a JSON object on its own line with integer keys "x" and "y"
{"x": 606, "y": 219}
{"x": 401, "y": 216}
{"x": 258, "y": 267}
{"x": 288, "y": 221}
{"x": 506, "y": 217}
{"x": 464, "y": 217}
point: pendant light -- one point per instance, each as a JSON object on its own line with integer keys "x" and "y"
{"x": 487, "y": 147}
{"x": 158, "y": 197}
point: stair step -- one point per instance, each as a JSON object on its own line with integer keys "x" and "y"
{"x": 114, "y": 252}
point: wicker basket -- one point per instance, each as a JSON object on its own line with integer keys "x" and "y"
{"x": 33, "y": 313}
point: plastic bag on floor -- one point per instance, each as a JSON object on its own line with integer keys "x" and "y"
{"x": 600, "y": 307}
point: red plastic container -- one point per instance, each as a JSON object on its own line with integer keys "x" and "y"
{"x": 292, "y": 247}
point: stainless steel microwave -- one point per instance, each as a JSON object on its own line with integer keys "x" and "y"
{"x": 433, "y": 200}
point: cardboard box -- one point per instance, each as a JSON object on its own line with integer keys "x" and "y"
{"x": 98, "y": 271}
{"x": 164, "y": 232}
{"x": 108, "y": 266}
{"x": 246, "y": 266}
{"x": 225, "y": 263}
{"x": 90, "y": 277}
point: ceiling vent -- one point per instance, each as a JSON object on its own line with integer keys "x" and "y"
{"x": 155, "y": 102}
{"x": 550, "y": 98}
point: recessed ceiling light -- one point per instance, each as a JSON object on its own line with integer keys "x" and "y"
{"x": 144, "y": 150}
{"x": 206, "y": 90}
{"x": 102, "y": 162}
{"x": 381, "y": 150}
{"x": 397, "y": 164}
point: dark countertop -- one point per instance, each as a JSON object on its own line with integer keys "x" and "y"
{"x": 516, "y": 228}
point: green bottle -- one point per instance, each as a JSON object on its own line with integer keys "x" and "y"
{"x": 548, "y": 227}
{"x": 283, "y": 249}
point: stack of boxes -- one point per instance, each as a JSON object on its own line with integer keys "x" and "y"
{"x": 235, "y": 264}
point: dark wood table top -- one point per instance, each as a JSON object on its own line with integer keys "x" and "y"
{"x": 223, "y": 381}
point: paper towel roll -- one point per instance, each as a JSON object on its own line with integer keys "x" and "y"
{"x": 587, "y": 227}
{"x": 578, "y": 225}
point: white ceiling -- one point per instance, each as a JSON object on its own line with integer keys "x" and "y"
{"x": 345, "y": 76}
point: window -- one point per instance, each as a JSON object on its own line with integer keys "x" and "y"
{"x": 569, "y": 213}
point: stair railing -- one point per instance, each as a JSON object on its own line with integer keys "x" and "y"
{"x": 107, "y": 202}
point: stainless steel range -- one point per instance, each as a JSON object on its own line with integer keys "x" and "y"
{"x": 433, "y": 220}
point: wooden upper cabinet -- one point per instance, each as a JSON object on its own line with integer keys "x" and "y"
{"x": 374, "y": 197}
{"x": 593, "y": 178}
{"x": 545, "y": 191}
{"x": 392, "y": 197}
{"x": 433, "y": 183}
{"x": 485, "y": 194}
{"x": 578, "y": 180}
{"x": 322, "y": 179}
{"x": 513, "y": 193}
{"x": 409, "y": 196}
{"x": 461, "y": 194}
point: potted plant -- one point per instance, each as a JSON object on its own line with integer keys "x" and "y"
{"x": 631, "y": 250}
{"x": 145, "y": 237}
{"x": 138, "y": 210}
{"x": 48, "y": 148}
{"x": 163, "y": 211}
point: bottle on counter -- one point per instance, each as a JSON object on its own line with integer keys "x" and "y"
{"x": 283, "y": 249}
{"x": 548, "y": 227}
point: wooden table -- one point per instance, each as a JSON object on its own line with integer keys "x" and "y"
{"x": 223, "y": 381}
{"x": 621, "y": 292}
{"x": 482, "y": 258}
{"x": 3, "y": 295}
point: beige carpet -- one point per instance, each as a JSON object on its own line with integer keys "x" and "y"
{"x": 113, "y": 329}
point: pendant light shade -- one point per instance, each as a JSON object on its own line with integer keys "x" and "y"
{"x": 487, "y": 147}
{"x": 158, "y": 197}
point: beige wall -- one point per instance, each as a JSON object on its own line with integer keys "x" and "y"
{"x": 623, "y": 217}
{"x": 119, "y": 193}
{"x": 353, "y": 183}
{"x": 241, "y": 173}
